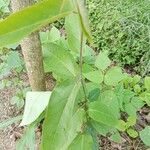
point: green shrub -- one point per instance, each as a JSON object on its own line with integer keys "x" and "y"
{"x": 122, "y": 28}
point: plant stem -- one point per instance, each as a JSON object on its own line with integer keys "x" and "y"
{"x": 81, "y": 66}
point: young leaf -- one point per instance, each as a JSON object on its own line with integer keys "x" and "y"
{"x": 102, "y": 61}
{"x": 35, "y": 104}
{"x": 132, "y": 133}
{"x": 131, "y": 121}
{"x": 82, "y": 142}
{"x": 59, "y": 61}
{"x": 22, "y": 23}
{"x": 102, "y": 113}
{"x": 113, "y": 76}
{"x": 59, "y": 128}
{"x": 94, "y": 76}
{"x": 145, "y": 135}
{"x": 6, "y": 123}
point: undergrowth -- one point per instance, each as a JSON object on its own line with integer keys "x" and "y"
{"x": 122, "y": 28}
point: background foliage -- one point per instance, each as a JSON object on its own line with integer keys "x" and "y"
{"x": 122, "y": 28}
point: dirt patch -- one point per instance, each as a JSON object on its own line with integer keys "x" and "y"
{"x": 7, "y": 140}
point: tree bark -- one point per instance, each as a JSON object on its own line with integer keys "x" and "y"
{"x": 32, "y": 52}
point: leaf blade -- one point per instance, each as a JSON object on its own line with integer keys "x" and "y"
{"x": 22, "y": 23}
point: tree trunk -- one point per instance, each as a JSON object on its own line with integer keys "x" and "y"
{"x": 32, "y": 52}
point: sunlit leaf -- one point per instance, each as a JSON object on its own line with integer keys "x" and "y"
{"x": 59, "y": 60}
{"x": 35, "y": 104}
{"x": 83, "y": 15}
{"x": 102, "y": 61}
{"x": 60, "y": 127}
{"x": 102, "y": 113}
{"x": 73, "y": 29}
{"x": 113, "y": 76}
{"x": 22, "y": 23}
{"x": 82, "y": 142}
{"x": 94, "y": 76}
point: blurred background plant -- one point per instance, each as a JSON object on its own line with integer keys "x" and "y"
{"x": 122, "y": 28}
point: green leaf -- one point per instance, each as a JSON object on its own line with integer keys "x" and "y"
{"x": 131, "y": 121}
{"x": 130, "y": 109}
{"x": 59, "y": 61}
{"x": 145, "y": 135}
{"x": 137, "y": 103}
{"x": 113, "y": 76}
{"x": 14, "y": 60}
{"x": 50, "y": 36}
{"x": 35, "y": 104}
{"x": 102, "y": 61}
{"x": 102, "y": 113}
{"x": 145, "y": 96}
{"x": 102, "y": 129}
{"x": 73, "y": 29}
{"x": 136, "y": 79}
{"x": 147, "y": 83}
{"x": 28, "y": 139}
{"x": 109, "y": 98}
{"x": 121, "y": 126}
{"x": 94, "y": 76}
{"x": 116, "y": 137}
{"x": 132, "y": 133}
{"x": 22, "y": 23}
{"x": 82, "y": 142}
{"x": 5, "y": 123}
{"x": 83, "y": 15}
{"x": 61, "y": 123}
{"x": 137, "y": 89}
{"x": 94, "y": 94}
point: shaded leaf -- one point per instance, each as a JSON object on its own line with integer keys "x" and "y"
{"x": 94, "y": 94}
